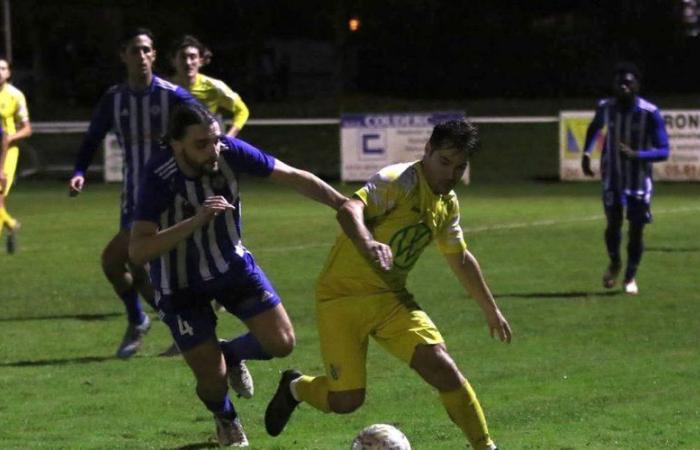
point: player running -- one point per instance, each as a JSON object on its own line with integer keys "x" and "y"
{"x": 188, "y": 226}
{"x": 635, "y": 138}
{"x": 362, "y": 289}
{"x": 137, "y": 111}
{"x": 16, "y": 124}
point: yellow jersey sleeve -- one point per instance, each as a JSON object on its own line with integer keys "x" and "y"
{"x": 381, "y": 193}
{"x": 231, "y": 101}
{"x": 450, "y": 239}
{"x": 21, "y": 111}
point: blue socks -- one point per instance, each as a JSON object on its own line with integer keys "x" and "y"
{"x": 133, "y": 306}
{"x": 243, "y": 347}
{"x": 221, "y": 408}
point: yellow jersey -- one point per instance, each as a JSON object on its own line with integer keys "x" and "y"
{"x": 13, "y": 108}
{"x": 215, "y": 94}
{"x": 403, "y": 212}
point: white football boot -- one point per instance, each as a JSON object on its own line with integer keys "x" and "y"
{"x": 631, "y": 287}
{"x": 229, "y": 432}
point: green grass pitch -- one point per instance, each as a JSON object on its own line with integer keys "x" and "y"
{"x": 587, "y": 369}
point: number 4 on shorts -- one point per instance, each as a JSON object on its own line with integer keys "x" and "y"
{"x": 184, "y": 327}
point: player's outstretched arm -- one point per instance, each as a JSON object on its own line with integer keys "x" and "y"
{"x": 148, "y": 243}
{"x": 307, "y": 184}
{"x": 352, "y": 221}
{"x": 466, "y": 268}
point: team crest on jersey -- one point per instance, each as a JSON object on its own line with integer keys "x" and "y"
{"x": 408, "y": 243}
{"x": 155, "y": 110}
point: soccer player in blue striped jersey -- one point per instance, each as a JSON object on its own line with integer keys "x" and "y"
{"x": 635, "y": 138}
{"x": 188, "y": 227}
{"x": 138, "y": 111}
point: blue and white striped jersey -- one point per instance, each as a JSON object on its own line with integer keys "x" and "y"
{"x": 139, "y": 119}
{"x": 168, "y": 196}
{"x": 642, "y": 128}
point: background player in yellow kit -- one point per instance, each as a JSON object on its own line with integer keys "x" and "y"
{"x": 188, "y": 57}
{"x": 15, "y": 123}
{"x": 362, "y": 289}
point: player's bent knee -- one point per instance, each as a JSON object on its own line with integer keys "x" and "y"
{"x": 346, "y": 402}
{"x": 282, "y": 345}
{"x": 436, "y": 367}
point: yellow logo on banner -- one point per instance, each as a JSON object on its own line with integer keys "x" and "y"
{"x": 575, "y": 129}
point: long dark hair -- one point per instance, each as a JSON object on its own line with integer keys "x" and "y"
{"x": 182, "y": 117}
{"x": 190, "y": 41}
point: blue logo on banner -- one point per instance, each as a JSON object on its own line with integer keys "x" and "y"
{"x": 371, "y": 144}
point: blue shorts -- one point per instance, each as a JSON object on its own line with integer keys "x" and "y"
{"x": 190, "y": 317}
{"x": 636, "y": 207}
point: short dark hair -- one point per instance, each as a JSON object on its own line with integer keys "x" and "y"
{"x": 185, "y": 115}
{"x": 190, "y": 41}
{"x": 461, "y": 135}
{"x": 624, "y": 67}
{"x": 131, "y": 33}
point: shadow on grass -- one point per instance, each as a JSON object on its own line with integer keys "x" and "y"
{"x": 570, "y": 294}
{"x": 59, "y": 362}
{"x": 673, "y": 249}
{"x": 197, "y": 446}
{"x": 83, "y": 317}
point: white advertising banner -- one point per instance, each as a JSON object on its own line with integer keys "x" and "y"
{"x": 683, "y": 127}
{"x": 113, "y": 159}
{"x": 368, "y": 142}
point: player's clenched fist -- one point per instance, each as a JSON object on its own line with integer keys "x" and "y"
{"x": 212, "y": 207}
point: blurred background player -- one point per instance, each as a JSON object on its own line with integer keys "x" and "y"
{"x": 187, "y": 225}
{"x": 362, "y": 289}
{"x": 137, "y": 111}
{"x": 188, "y": 56}
{"x": 635, "y": 138}
{"x": 3, "y": 178}
{"x": 15, "y": 123}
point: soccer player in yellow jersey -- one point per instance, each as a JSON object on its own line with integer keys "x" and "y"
{"x": 362, "y": 289}
{"x": 188, "y": 57}
{"x": 15, "y": 123}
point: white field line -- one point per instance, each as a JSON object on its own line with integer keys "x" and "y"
{"x": 498, "y": 227}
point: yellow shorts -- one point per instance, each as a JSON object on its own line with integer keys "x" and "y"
{"x": 396, "y": 322}
{"x": 10, "y": 168}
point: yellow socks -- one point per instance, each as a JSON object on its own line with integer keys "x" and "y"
{"x": 465, "y": 411}
{"x": 312, "y": 390}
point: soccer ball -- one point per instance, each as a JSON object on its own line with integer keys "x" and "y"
{"x": 380, "y": 437}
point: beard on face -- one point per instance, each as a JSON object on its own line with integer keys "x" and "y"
{"x": 207, "y": 167}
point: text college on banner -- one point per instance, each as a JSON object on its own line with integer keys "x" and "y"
{"x": 369, "y": 142}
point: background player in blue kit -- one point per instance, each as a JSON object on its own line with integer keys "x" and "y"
{"x": 635, "y": 138}
{"x": 188, "y": 226}
{"x": 137, "y": 111}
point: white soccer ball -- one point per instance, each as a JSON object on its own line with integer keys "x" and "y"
{"x": 380, "y": 437}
